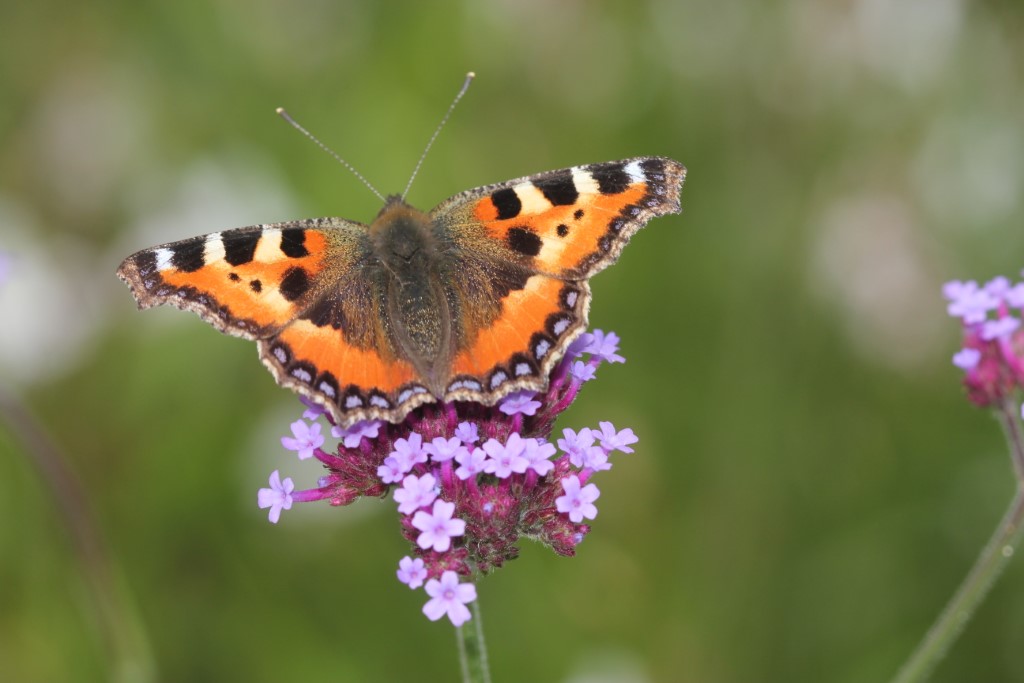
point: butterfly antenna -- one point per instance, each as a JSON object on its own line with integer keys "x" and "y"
{"x": 462, "y": 91}
{"x": 295, "y": 124}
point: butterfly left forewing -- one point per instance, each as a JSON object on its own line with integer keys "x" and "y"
{"x": 248, "y": 282}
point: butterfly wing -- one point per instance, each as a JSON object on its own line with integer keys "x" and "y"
{"x": 522, "y": 254}
{"x": 307, "y": 291}
{"x": 247, "y": 282}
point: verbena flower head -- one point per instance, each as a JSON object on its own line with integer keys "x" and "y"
{"x": 992, "y": 356}
{"x": 468, "y": 480}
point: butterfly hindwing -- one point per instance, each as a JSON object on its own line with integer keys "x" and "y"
{"x": 526, "y": 334}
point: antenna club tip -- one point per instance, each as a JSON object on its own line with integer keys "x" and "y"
{"x": 470, "y": 74}
{"x": 279, "y": 110}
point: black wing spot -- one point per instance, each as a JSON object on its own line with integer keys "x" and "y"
{"x": 507, "y": 203}
{"x": 233, "y": 277}
{"x": 558, "y": 188}
{"x": 524, "y": 240}
{"x": 504, "y": 281}
{"x": 189, "y": 257}
{"x": 145, "y": 263}
{"x": 611, "y": 178}
{"x": 578, "y": 214}
{"x": 303, "y": 371}
{"x": 325, "y": 313}
{"x": 562, "y": 229}
{"x": 293, "y": 242}
{"x": 256, "y": 286}
{"x": 240, "y": 247}
{"x": 653, "y": 168}
{"x": 294, "y": 284}
{"x": 327, "y": 385}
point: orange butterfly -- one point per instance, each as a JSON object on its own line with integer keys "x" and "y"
{"x": 472, "y": 301}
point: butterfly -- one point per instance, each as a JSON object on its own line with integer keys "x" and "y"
{"x": 472, "y": 301}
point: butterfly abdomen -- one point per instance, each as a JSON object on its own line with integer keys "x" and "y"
{"x": 416, "y": 300}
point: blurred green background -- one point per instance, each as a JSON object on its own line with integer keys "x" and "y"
{"x": 810, "y": 485}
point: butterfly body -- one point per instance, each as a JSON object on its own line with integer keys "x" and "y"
{"x": 417, "y": 300}
{"x": 476, "y": 299}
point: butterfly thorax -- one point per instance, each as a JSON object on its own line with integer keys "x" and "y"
{"x": 403, "y": 242}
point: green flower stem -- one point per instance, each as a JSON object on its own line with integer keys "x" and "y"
{"x": 986, "y": 570}
{"x": 472, "y": 649}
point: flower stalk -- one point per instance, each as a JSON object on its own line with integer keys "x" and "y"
{"x": 961, "y": 607}
{"x": 473, "y": 649}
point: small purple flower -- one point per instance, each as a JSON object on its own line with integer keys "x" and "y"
{"x": 1001, "y": 328}
{"x": 313, "y": 409}
{"x": 470, "y": 463}
{"x": 353, "y": 436}
{"x": 595, "y": 458}
{"x": 537, "y": 454}
{"x": 505, "y": 459}
{"x": 954, "y": 289}
{"x": 520, "y": 402}
{"x": 442, "y": 449}
{"x": 411, "y": 572}
{"x": 306, "y": 439}
{"x": 579, "y": 345}
{"x": 392, "y": 471}
{"x": 972, "y": 303}
{"x": 584, "y": 372}
{"x": 605, "y": 346}
{"x": 437, "y": 527}
{"x": 967, "y": 359}
{"x": 1015, "y": 296}
{"x": 575, "y": 445}
{"x": 409, "y": 452}
{"x": 278, "y": 497}
{"x": 998, "y": 286}
{"x": 616, "y": 441}
{"x": 450, "y": 597}
{"x": 415, "y": 493}
{"x": 467, "y": 432}
{"x": 577, "y": 502}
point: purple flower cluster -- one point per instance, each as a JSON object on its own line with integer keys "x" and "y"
{"x": 992, "y": 356}
{"x": 468, "y": 480}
